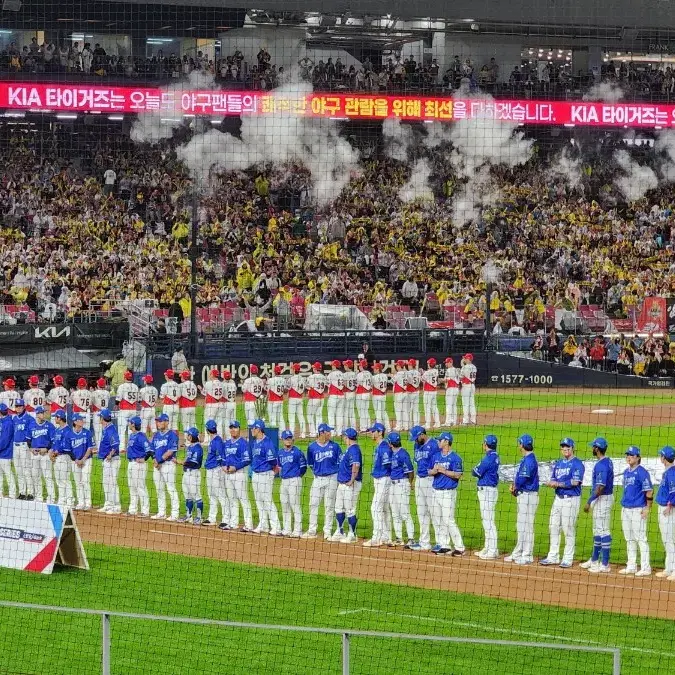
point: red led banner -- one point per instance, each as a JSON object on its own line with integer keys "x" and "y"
{"x": 74, "y": 98}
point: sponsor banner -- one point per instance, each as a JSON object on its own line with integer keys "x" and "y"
{"x": 670, "y": 310}
{"x": 653, "y": 317}
{"x": 100, "y": 334}
{"x": 105, "y": 99}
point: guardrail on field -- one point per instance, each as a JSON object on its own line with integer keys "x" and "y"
{"x": 345, "y": 634}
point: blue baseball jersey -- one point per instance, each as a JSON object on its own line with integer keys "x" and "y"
{"x": 381, "y": 460}
{"x": 292, "y": 462}
{"x": 636, "y": 482}
{"x": 527, "y": 475}
{"x": 61, "y": 441}
{"x": 22, "y": 424}
{"x": 451, "y": 462}
{"x": 163, "y": 442}
{"x": 214, "y": 453}
{"x": 40, "y": 435}
{"x": 666, "y": 493}
{"x": 352, "y": 455}
{"x": 80, "y": 442}
{"x": 194, "y": 456}
{"x": 323, "y": 459}
{"x": 401, "y": 464}
{"x": 603, "y": 474}
{"x": 263, "y": 455}
{"x": 110, "y": 442}
{"x": 567, "y": 472}
{"x": 487, "y": 471}
{"x": 138, "y": 446}
{"x": 6, "y": 438}
{"x": 423, "y": 455}
{"x": 235, "y": 453}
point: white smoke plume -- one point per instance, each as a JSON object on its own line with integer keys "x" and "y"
{"x": 478, "y": 192}
{"x": 665, "y": 145}
{"x": 607, "y": 92}
{"x": 418, "y": 185}
{"x": 398, "y": 138}
{"x": 567, "y": 167}
{"x": 638, "y": 179}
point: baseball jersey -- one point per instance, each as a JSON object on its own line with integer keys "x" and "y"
{"x": 430, "y": 379}
{"x": 22, "y": 424}
{"x": 148, "y": 396}
{"x": 34, "y": 398}
{"x": 110, "y": 442}
{"x": 380, "y": 384}
{"x": 413, "y": 381}
{"x": 451, "y": 462}
{"x": 636, "y": 482}
{"x": 452, "y": 377}
{"x": 527, "y": 475}
{"x": 381, "y": 460}
{"x": 352, "y": 455}
{"x": 40, "y": 435}
{"x": 567, "y": 471}
{"x": 276, "y": 387}
{"x": 603, "y": 474}
{"x": 336, "y": 383}
{"x": 169, "y": 392}
{"x": 316, "y": 385}
{"x": 9, "y": 397}
{"x": 292, "y": 462}
{"x": 423, "y": 455}
{"x": 229, "y": 391}
{"x": 188, "y": 394}
{"x": 364, "y": 382}
{"x": 400, "y": 382}
{"x": 252, "y": 388}
{"x": 80, "y": 442}
{"x": 81, "y": 400}
{"x": 194, "y": 455}
{"x": 236, "y": 453}
{"x": 349, "y": 378}
{"x": 127, "y": 396}
{"x": 100, "y": 400}
{"x": 401, "y": 465}
{"x": 296, "y": 386}
{"x": 138, "y": 446}
{"x": 666, "y": 493}
{"x": 467, "y": 374}
{"x": 263, "y": 455}
{"x": 323, "y": 459}
{"x": 61, "y": 441}
{"x": 58, "y": 399}
{"x": 6, "y": 437}
{"x": 163, "y": 442}
{"x": 487, "y": 471}
{"x": 214, "y": 454}
{"x": 213, "y": 392}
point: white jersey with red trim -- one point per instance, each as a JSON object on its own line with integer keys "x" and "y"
{"x": 467, "y": 374}
{"x": 188, "y": 394}
{"x": 169, "y": 392}
{"x": 452, "y": 378}
{"x": 276, "y": 388}
{"x": 400, "y": 382}
{"x": 229, "y": 391}
{"x": 81, "y": 399}
{"x": 148, "y": 396}
{"x": 336, "y": 383}
{"x": 414, "y": 380}
{"x": 430, "y": 379}
{"x": 100, "y": 400}
{"x": 58, "y": 399}
{"x": 9, "y": 397}
{"x": 33, "y": 398}
{"x": 252, "y": 388}
{"x": 350, "y": 382}
{"x": 364, "y": 382}
{"x": 380, "y": 384}
{"x": 127, "y": 396}
{"x": 317, "y": 383}
{"x": 296, "y": 386}
{"x": 213, "y": 392}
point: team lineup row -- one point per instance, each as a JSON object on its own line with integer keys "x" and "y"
{"x": 41, "y": 452}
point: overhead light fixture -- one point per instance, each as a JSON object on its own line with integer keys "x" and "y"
{"x": 15, "y": 114}
{"x": 66, "y": 116}
{"x": 164, "y": 28}
{"x": 116, "y": 118}
{"x": 5, "y": 32}
{"x": 65, "y": 20}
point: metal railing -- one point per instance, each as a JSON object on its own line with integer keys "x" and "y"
{"x": 344, "y": 633}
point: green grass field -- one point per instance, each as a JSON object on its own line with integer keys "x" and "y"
{"x": 134, "y": 580}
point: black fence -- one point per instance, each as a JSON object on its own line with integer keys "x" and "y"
{"x": 95, "y": 335}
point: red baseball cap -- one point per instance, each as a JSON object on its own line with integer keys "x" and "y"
{"x": 363, "y": 363}
{"x": 348, "y": 363}
{"x": 9, "y": 382}
{"x": 431, "y": 361}
{"x": 296, "y": 367}
{"x": 336, "y": 364}
{"x": 100, "y": 382}
{"x": 82, "y": 382}
{"x": 33, "y": 379}
{"x": 316, "y": 366}
{"x": 449, "y": 359}
{"x": 412, "y": 362}
{"x": 169, "y": 373}
{"x": 400, "y": 363}
{"x": 377, "y": 366}
{"x": 226, "y": 374}
{"x": 469, "y": 357}
{"x": 185, "y": 375}
{"x": 277, "y": 370}
{"x": 128, "y": 376}
{"x": 254, "y": 369}
{"x": 58, "y": 380}
{"x": 147, "y": 379}
{"x": 214, "y": 372}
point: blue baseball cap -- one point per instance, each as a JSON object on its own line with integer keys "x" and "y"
{"x": 491, "y": 441}
{"x": 668, "y": 453}
{"x": 60, "y": 415}
{"x": 20, "y": 402}
{"x": 80, "y": 418}
{"x": 445, "y": 436}
{"x": 39, "y": 409}
{"x": 286, "y": 434}
{"x": 257, "y": 424}
{"x": 351, "y": 433}
{"x": 136, "y": 421}
{"x": 633, "y": 451}
{"x": 162, "y": 417}
{"x": 394, "y": 438}
{"x": 193, "y": 431}
{"x": 416, "y": 432}
{"x": 567, "y": 441}
{"x": 526, "y": 441}
{"x": 378, "y": 426}
{"x": 107, "y": 416}
{"x": 234, "y": 424}
{"x": 3, "y": 408}
{"x": 600, "y": 443}
{"x": 323, "y": 427}
{"x": 211, "y": 426}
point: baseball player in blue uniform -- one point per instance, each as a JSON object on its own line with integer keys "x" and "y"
{"x": 265, "y": 466}
{"x": 381, "y": 471}
{"x": 82, "y": 447}
{"x": 487, "y": 473}
{"x": 235, "y": 462}
{"x": 62, "y": 458}
{"x": 425, "y": 448}
{"x": 323, "y": 457}
{"x": 636, "y": 502}
{"x": 350, "y": 477}
{"x": 568, "y": 473}
{"x": 402, "y": 478}
{"x": 138, "y": 452}
{"x": 7, "y": 452}
{"x": 665, "y": 499}
{"x": 22, "y": 456}
{"x": 164, "y": 445}
{"x": 40, "y": 435}
{"x": 192, "y": 477}
{"x": 293, "y": 467}
{"x": 109, "y": 454}
{"x": 215, "y": 476}
{"x": 525, "y": 488}
{"x": 600, "y": 504}
{"x": 447, "y": 470}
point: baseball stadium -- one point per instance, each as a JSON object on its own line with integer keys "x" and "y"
{"x": 337, "y": 338}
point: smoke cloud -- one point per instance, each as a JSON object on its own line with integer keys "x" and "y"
{"x": 638, "y": 179}
{"x": 418, "y": 185}
{"x": 607, "y": 92}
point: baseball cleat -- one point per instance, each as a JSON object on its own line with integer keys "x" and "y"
{"x": 489, "y": 556}
{"x": 349, "y": 538}
{"x": 223, "y": 526}
{"x": 420, "y": 547}
{"x": 409, "y": 543}
{"x": 172, "y": 519}
{"x": 275, "y": 533}
{"x": 336, "y": 536}
{"x": 207, "y": 522}
{"x": 599, "y": 569}
{"x": 398, "y": 542}
{"x": 143, "y": 515}
{"x": 565, "y": 565}
{"x": 443, "y": 551}
{"x": 547, "y": 561}
{"x": 295, "y": 535}
{"x": 184, "y": 519}
{"x": 259, "y": 530}
{"x": 244, "y": 529}
{"x": 510, "y": 558}
{"x": 480, "y": 553}
{"x": 587, "y": 565}
{"x": 457, "y": 553}
{"x": 285, "y": 533}
{"x": 662, "y": 574}
{"x": 105, "y": 509}
{"x": 197, "y": 521}
{"x": 628, "y": 570}
{"x": 644, "y": 573}
{"x": 671, "y": 577}
{"x": 308, "y": 535}
{"x": 372, "y": 543}
{"x": 523, "y": 561}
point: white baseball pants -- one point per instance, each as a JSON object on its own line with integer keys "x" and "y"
{"x": 215, "y": 489}
{"x": 268, "y": 517}
{"x": 414, "y": 408}
{"x": 249, "y": 412}
{"x": 347, "y": 498}
{"x": 635, "y": 532}
{"x": 399, "y": 503}
{"x": 350, "y": 411}
{"x": 527, "y": 510}
{"x": 41, "y": 468}
{"x": 148, "y": 420}
{"x": 23, "y": 463}
{"x": 468, "y": 404}
{"x": 97, "y": 428}
{"x": 401, "y": 411}
{"x": 164, "y": 479}
{"x": 424, "y": 500}
{"x": 236, "y": 488}
{"x": 212, "y": 412}
{"x": 188, "y": 418}
{"x": 314, "y": 414}
{"x": 139, "y": 499}
{"x": 445, "y": 525}
{"x": 82, "y": 476}
{"x": 63, "y": 466}
{"x": 171, "y": 411}
{"x": 432, "y": 418}
{"x": 324, "y": 489}
{"x": 296, "y": 416}
{"x": 7, "y": 473}
{"x": 123, "y": 417}
{"x": 487, "y": 502}
{"x": 275, "y": 414}
{"x": 192, "y": 485}
{"x": 111, "y": 488}
{"x": 667, "y": 527}
{"x": 335, "y": 410}
{"x": 378, "y": 509}
{"x": 563, "y": 519}
{"x": 363, "y": 411}
{"x": 451, "y": 396}
{"x": 380, "y": 410}
{"x": 227, "y": 413}
{"x": 291, "y": 512}
{"x": 601, "y": 509}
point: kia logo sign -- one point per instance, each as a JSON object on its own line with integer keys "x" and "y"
{"x": 52, "y": 332}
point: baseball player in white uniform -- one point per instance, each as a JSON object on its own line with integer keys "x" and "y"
{"x": 402, "y": 479}
{"x": 252, "y": 388}
{"x": 350, "y": 394}
{"x": 380, "y": 384}
{"x": 81, "y": 399}
{"x": 414, "y": 381}
{"x": 432, "y": 418}
{"x": 34, "y": 397}
{"x": 213, "y": 399}
{"x": 467, "y": 376}
{"x": 148, "y": 396}
{"x": 276, "y": 388}
{"x": 296, "y": 393}
{"x": 336, "y": 396}
{"x": 169, "y": 393}
{"x": 127, "y": 400}
{"x": 400, "y": 388}
{"x": 10, "y": 395}
{"x": 187, "y": 401}
{"x": 452, "y": 379}
{"x": 317, "y": 384}
{"x": 100, "y": 400}
{"x": 364, "y": 391}
{"x": 58, "y": 397}
{"x": 487, "y": 473}
{"x": 229, "y": 408}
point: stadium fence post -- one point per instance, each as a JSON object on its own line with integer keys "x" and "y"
{"x": 616, "y": 670}
{"x": 105, "y": 666}
{"x": 345, "y": 653}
